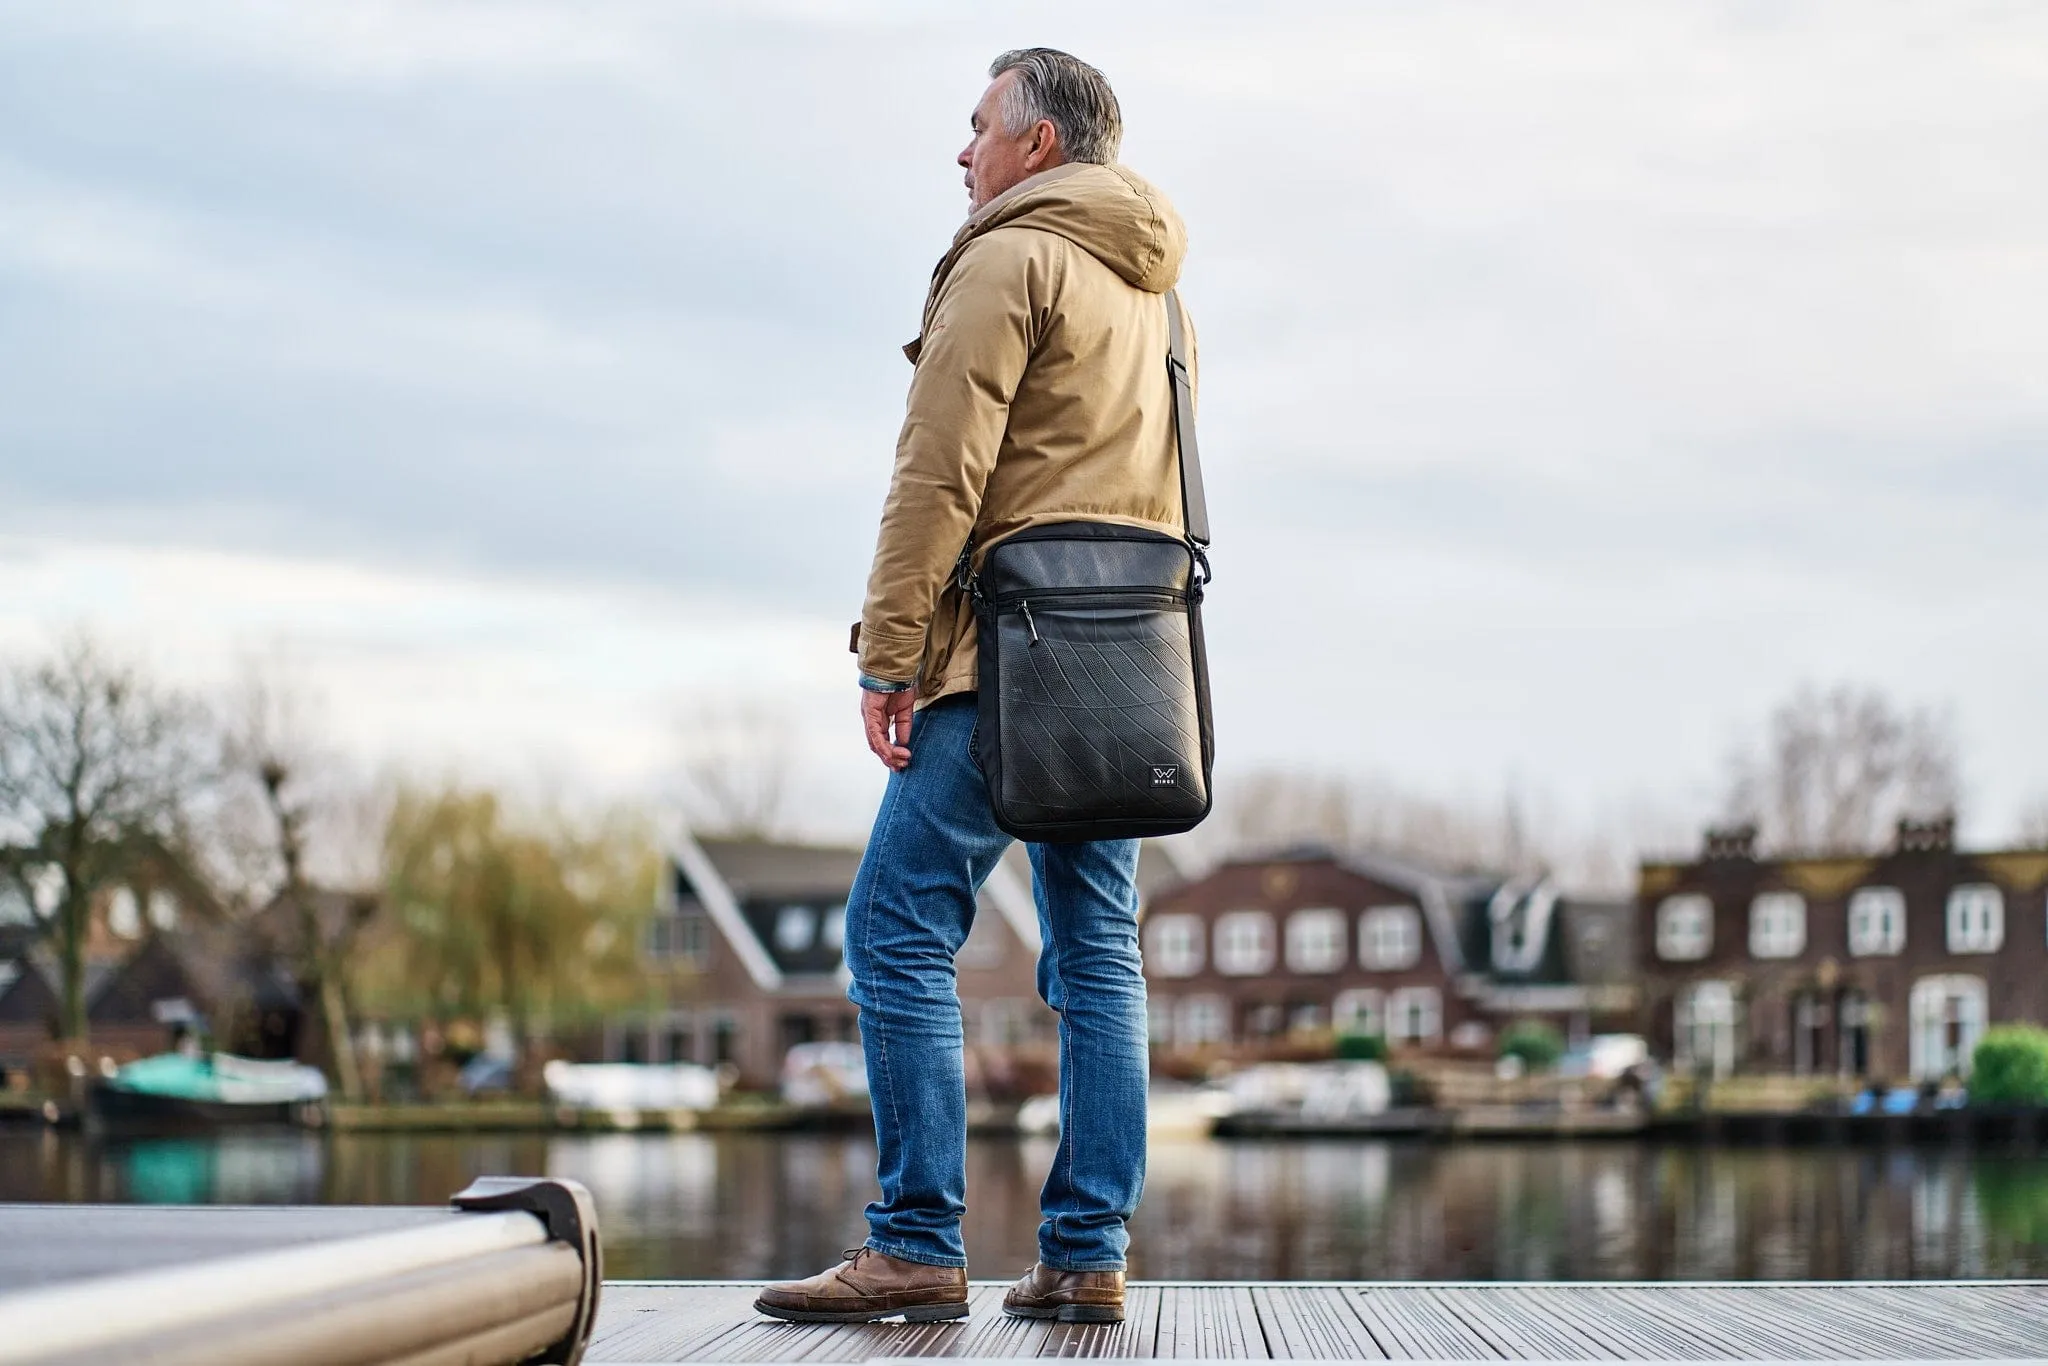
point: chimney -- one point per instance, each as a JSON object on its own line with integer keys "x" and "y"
{"x": 1936, "y": 835}
{"x": 1731, "y": 843}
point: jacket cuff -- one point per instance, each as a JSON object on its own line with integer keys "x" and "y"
{"x": 872, "y": 684}
{"x": 890, "y": 657}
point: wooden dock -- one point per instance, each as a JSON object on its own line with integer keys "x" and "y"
{"x": 644, "y": 1322}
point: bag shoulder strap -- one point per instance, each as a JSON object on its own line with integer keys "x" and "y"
{"x": 1194, "y": 503}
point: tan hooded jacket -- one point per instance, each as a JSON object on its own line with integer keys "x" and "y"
{"x": 1040, "y": 395}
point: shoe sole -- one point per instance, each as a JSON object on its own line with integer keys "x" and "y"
{"x": 916, "y": 1313}
{"x": 1070, "y": 1313}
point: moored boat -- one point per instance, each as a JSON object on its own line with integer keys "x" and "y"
{"x": 179, "y": 1092}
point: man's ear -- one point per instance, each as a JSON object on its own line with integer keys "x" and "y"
{"x": 1045, "y": 140}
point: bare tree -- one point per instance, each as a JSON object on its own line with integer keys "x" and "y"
{"x": 1836, "y": 769}
{"x": 98, "y": 770}
{"x": 736, "y": 767}
{"x": 1269, "y": 809}
{"x": 2033, "y": 830}
{"x": 271, "y": 754}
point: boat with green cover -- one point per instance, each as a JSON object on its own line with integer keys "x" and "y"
{"x": 184, "y": 1091}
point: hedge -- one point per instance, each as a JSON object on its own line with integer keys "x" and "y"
{"x": 2010, "y": 1066}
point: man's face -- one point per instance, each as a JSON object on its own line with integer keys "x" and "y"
{"x": 994, "y": 159}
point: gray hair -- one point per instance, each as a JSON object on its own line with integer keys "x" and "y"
{"x": 1066, "y": 92}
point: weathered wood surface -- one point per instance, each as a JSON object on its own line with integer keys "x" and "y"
{"x": 1989, "y": 1321}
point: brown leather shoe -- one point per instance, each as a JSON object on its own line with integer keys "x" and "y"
{"x": 1069, "y": 1296}
{"x": 870, "y": 1285}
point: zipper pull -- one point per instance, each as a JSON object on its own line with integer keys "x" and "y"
{"x": 1029, "y": 624}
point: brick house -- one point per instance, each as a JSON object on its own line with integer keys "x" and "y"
{"x": 1270, "y": 954}
{"x": 1887, "y": 966}
{"x": 744, "y": 958}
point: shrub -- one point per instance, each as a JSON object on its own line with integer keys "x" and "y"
{"x": 1362, "y": 1047}
{"x": 2010, "y": 1066}
{"x": 1537, "y": 1044}
{"x": 1410, "y": 1091}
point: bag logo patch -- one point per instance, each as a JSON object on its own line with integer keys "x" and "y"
{"x": 1165, "y": 775}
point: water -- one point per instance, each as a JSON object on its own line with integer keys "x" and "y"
{"x": 755, "y": 1205}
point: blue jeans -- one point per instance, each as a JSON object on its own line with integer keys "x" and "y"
{"x": 935, "y": 841}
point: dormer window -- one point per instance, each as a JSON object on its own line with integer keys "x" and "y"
{"x": 796, "y": 928}
{"x": 1777, "y": 925}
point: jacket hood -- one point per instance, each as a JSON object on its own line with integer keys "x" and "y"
{"x": 1108, "y": 211}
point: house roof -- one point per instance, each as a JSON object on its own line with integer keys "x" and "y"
{"x": 777, "y": 870}
{"x": 751, "y": 888}
{"x": 27, "y": 995}
{"x": 1469, "y": 914}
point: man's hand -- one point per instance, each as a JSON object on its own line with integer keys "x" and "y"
{"x": 887, "y": 718}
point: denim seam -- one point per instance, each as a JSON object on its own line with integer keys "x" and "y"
{"x": 1065, "y": 1154}
{"x": 904, "y": 1253}
{"x": 1091, "y": 1266}
{"x": 881, "y": 1031}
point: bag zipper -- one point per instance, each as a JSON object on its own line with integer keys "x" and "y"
{"x": 1022, "y": 601}
{"x": 1002, "y": 600}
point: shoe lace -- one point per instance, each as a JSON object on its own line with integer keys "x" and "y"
{"x": 853, "y": 1255}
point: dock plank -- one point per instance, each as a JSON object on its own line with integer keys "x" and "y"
{"x": 1136, "y": 1336}
{"x": 1641, "y": 1310}
{"x": 667, "y": 1322}
{"x": 1990, "y": 1322}
{"x": 1521, "y": 1329}
{"x": 1415, "y": 1327}
{"x": 1210, "y": 1322}
{"x": 1570, "y": 1310}
{"x": 1750, "y": 1321}
{"x": 1762, "y": 1321}
{"x": 1866, "y": 1334}
{"x": 1312, "y": 1322}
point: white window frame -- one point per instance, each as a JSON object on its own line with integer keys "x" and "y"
{"x": 1705, "y": 1019}
{"x": 1244, "y": 943}
{"x": 1777, "y": 925}
{"x": 690, "y": 938}
{"x": 1685, "y": 927}
{"x": 1954, "y": 999}
{"x": 1173, "y": 945}
{"x": 1426, "y": 1003}
{"x": 1975, "y": 917}
{"x": 1201, "y": 1020}
{"x": 1877, "y": 922}
{"x": 1315, "y": 940}
{"x": 1361, "y": 1010}
{"x": 1159, "y": 1019}
{"x": 1389, "y": 938}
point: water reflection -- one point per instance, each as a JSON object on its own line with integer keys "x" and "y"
{"x": 694, "y": 1205}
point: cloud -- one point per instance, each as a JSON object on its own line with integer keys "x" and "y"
{"x": 1576, "y": 377}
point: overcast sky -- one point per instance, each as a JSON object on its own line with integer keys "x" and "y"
{"x": 1578, "y": 378}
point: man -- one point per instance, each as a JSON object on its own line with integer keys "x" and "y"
{"x": 1040, "y": 394}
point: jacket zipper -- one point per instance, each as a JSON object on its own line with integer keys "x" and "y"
{"x": 1032, "y": 626}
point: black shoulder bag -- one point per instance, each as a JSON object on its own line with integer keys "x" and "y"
{"x": 1093, "y": 719}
